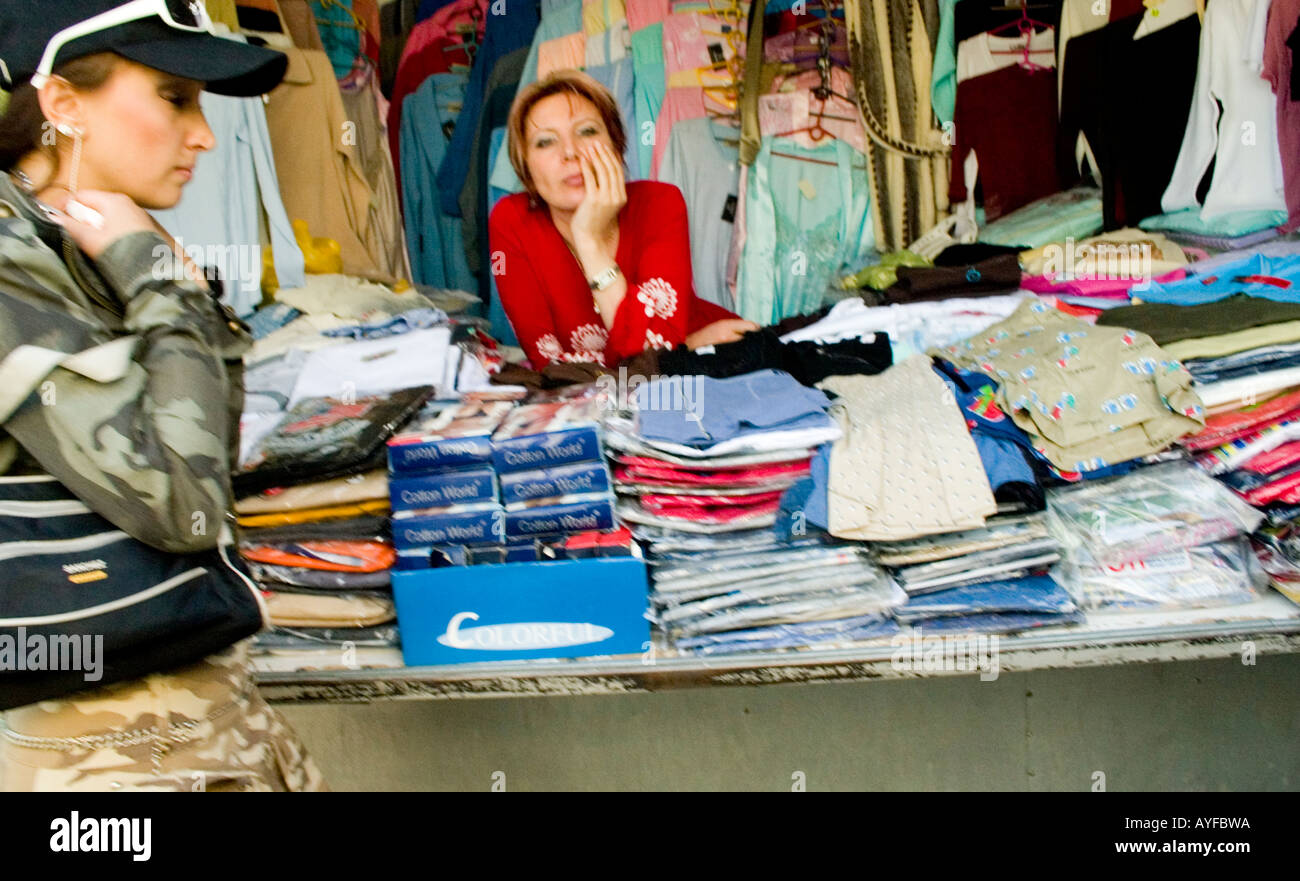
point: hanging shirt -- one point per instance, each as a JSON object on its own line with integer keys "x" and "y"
{"x": 1232, "y": 123}
{"x": 1008, "y": 117}
{"x": 805, "y": 222}
{"x": 794, "y": 106}
{"x": 503, "y": 35}
{"x": 549, "y": 301}
{"x": 707, "y": 171}
{"x": 1135, "y": 151}
{"x": 649, "y": 85}
{"x": 221, "y": 207}
{"x": 559, "y": 21}
{"x": 986, "y": 53}
{"x": 320, "y": 173}
{"x": 436, "y": 240}
{"x": 1281, "y": 40}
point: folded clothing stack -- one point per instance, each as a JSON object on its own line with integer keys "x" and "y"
{"x": 713, "y": 455}
{"x": 700, "y": 473}
{"x": 992, "y": 579}
{"x": 285, "y": 648}
{"x": 1166, "y": 536}
{"x": 750, "y": 590}
{"x": 311, "y": 517}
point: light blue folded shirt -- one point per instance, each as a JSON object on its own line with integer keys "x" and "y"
{"x": 702, "y": 411}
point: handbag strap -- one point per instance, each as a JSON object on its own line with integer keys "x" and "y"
{"x": 28, "y": 365}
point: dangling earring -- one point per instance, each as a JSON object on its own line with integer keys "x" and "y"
{"x": 75, "y": 134}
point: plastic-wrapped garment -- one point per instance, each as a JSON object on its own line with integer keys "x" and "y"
{"x": 329, "y": 610}
{"x": 320, "y": 494}
{"x": 273, "y": 577}
{"x": 631, "y": 512}
{"x": 980, "y": 566}
{"x": 1040, "y": 593}
{"x": 999, "y": 532}
{"x": 811, "y": 579}
{"x": 746, "y": 611}
{"x": 1000, "y": 622}
{"x": 1283, "y": 572}
{"x": 322, "y": 437}
{"x": 326, "y": 556}
{"x": 1151, "y": 511}
{"x": 326, "y": 637}
{"x": 1221, "y": 574}
{"x": 783, "y": 636}
{"x": 703, "y": 571}
{"x": 356, "y": 529}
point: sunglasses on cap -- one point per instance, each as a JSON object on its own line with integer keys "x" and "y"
{"x": 183, "y": 15}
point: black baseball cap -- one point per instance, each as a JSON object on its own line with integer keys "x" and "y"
{"x": 226, "y": 67}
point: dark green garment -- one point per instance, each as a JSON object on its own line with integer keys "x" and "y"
{"x": 1166, "y": 323}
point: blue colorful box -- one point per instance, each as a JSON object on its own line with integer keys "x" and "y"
{"x": 518, "y": 611}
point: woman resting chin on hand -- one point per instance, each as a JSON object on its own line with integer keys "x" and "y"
{"x": 591, "y": 268}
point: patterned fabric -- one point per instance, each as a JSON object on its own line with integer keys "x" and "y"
{"x": 152, "y": 449}
{"x": 884, "y": 486}
{"x": 890, "y": 47}
{"x": 1088, "y": 396}
{"x": 198, "y": 728}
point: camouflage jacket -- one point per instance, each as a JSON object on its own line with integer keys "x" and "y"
{"x": 151, "y": 451}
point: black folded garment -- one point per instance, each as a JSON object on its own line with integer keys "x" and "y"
{"x": 808, "y": 362}
{"x": 365, "y": 528}
{"x": 965, "y": 255}
{"x": 295, "y": 579}
{"x": 914, "y": 285}
{"x": 321, "y": 438}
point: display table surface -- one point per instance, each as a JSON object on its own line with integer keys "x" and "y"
{"x": 1270, "y": 625}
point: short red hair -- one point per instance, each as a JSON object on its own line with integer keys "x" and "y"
{"x": 574, "y": 82}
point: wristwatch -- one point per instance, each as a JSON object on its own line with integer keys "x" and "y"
{"x": 604, "y": 279}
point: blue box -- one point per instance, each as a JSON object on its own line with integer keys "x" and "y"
{"x": 596, "y": 515}
{"x": 547, "y": 450}
{"x": 443, "y": 490}
{"x": 416, "y": 456}
{"x": 517, "y": 611}
{"x": 481, "y": 526}
{"x": 581, "y": 479}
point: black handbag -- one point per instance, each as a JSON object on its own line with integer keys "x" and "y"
{"x": 82, "y": 604}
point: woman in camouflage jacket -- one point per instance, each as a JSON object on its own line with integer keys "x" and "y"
{"x": 151, "y": 451}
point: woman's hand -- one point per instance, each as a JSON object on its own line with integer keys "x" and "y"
{"x": 121, "y": 217}
{"x": 727, "y": 330}
{"x": 602, "y": 175}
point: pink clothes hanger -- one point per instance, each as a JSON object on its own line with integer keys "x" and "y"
{"x": 1026, "y": 27}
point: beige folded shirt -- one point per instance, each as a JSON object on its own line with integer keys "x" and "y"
{"x": 323, "y": 494}
{"x": 317, "y": 610}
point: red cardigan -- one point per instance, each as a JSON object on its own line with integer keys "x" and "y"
{"x": 547, "y": 298}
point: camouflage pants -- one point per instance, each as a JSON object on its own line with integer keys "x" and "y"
{"x": 198, "y": 728}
